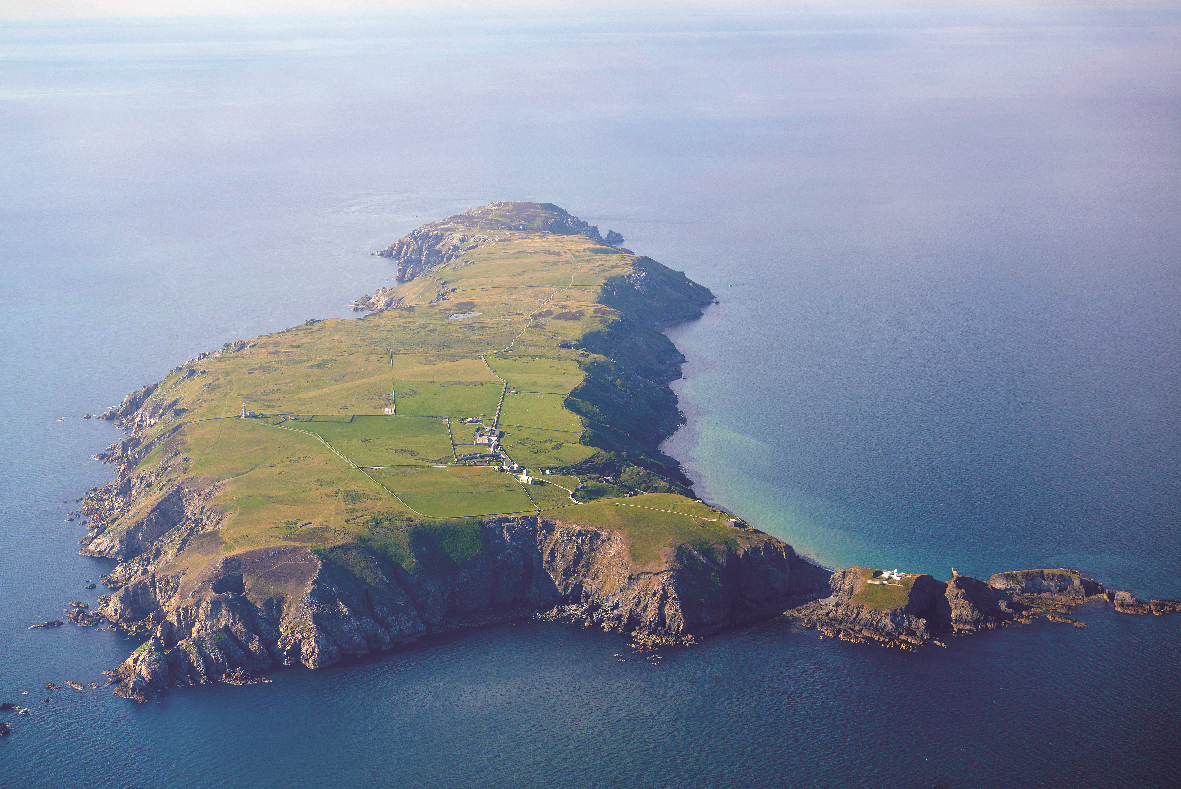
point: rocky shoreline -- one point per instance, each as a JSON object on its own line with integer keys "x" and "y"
{"x": 909, "y": 610}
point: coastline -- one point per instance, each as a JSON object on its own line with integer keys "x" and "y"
{"x": 228, "y": 619}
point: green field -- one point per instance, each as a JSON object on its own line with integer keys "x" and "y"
{"x": 538, "y": 374}
{"x": 540, "y": 411}
{"x": 458, "y": 491}
{"x": 549, "y": 497}
{"x": 894, "y": 594}
{"x": 471, "y": 449}
{"x": 385, "y": 440}
{"x": 536, "y": 449}
{"x": 447, "y": 398}
{"x": 653, "y": 522}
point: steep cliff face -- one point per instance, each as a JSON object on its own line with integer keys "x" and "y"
{"x": 286, "y": 606}
{"x": 974, "y": 605}
{"x": 136, "y": 517}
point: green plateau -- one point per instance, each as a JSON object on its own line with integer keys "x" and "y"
{"x": 519, "y": 374}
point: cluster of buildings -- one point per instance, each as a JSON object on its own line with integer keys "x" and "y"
{"x": 886, "y": 576}
{"x": 489, "y": 436}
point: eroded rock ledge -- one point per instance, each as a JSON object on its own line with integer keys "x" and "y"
{"x": 292, "y": 605}
{"x": 908, "y": 610}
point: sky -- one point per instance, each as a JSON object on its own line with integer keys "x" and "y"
{"x": 75, "y": 9}
{"x": 84, "y": 9}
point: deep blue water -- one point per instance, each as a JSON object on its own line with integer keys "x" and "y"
{"x": 945, "y": 246}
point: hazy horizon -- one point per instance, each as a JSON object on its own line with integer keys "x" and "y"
{"x": 944, "y": 242}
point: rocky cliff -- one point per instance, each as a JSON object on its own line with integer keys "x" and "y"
{"x": 292, "y": 605}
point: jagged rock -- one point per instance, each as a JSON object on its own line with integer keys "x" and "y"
{"x": 1058, "y": 582}
{"x": 967, "y": 604}
{"x": 924, "y": 609}
{"x": 50, "y": 623}
{"x": 132, "y": 539}
{"x": 84, "y": 617}
{"x": 975, "y": 605}
{"x": 5, "y": 729}
{"x": 144, "y": 673}
{"x": 1128, "y": 603}
{"x": 131, "y": 403}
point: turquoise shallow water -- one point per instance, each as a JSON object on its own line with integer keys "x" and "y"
{"x": 945, "y": 250}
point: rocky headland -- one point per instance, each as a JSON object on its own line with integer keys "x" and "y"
{"x": 909, "y": 610}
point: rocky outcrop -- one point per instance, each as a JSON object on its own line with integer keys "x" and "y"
{"x": 1060, "y": 582}
{"x": 851, "y": 614}
{"x": 131, "y": 403}
{"x": 292, "y": 605}
{"x": 441, "y": 242}
{"x": 974, "y": 605}
{"x": 867, "y": 605}
{"x": 1128, "y": 603}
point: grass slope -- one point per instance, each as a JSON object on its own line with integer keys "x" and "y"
{"x": 357, "y": 424}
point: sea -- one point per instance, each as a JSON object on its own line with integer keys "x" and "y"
{"x": 944, "y": 239}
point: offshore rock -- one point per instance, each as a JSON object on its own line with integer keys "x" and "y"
{"x": 1059, "y": 582}
{"x": 1160, "y": 607}
{"x": 867, "y": 605}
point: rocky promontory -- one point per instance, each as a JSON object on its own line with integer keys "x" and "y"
{"x": 907, "y": 610}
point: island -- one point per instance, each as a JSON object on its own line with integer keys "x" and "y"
{"x": 483, "y": 444}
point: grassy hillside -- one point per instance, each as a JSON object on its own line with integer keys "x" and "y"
{"x": 374, "y": 430}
